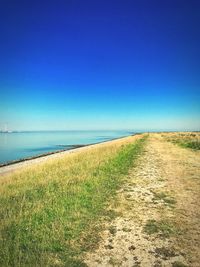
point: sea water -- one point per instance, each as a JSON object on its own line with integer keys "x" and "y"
{"x": 20, "y": 145}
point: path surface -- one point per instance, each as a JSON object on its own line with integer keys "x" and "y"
{"x": 159, "y": 223}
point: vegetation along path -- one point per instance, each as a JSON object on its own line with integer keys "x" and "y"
{"x": 158, "y": 207}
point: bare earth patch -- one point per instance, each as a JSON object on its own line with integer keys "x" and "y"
{"x": 159, "y": 203}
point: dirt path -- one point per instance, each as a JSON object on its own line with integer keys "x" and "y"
{"x": 159, "y": 203}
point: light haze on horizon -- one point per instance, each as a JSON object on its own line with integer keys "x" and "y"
{"x": 92, "y": 65}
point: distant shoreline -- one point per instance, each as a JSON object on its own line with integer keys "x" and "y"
{"x": 40, "y": 155}
{"x": 15, "y": 164}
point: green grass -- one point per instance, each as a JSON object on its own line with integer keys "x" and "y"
{"x": 51, "y": 214}
{"x": 178, "y": 264}
{"x": 189, "y": 140}
{"x": 167, "y": 199}
{"x": 192, "y": 144}
{"x": 162, "y": 227}
{"x": 165, "y": 252}
{"x": 195, "y": 145}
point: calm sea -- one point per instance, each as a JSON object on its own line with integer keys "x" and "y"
{"x": 20, "y": 145}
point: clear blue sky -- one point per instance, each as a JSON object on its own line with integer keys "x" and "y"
{"x": 100, "y": 64}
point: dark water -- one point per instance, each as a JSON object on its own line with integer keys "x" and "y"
{"x": 19, "y": 145}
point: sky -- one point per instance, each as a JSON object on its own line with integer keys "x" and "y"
{"x": 71, "y": 65}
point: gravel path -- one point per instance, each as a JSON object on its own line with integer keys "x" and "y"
{"x": 160, "y": 215}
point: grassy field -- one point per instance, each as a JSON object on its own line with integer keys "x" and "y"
{"x": 187, "y": 140}
{"x": 49, "y": 212}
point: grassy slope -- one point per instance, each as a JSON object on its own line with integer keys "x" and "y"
{"x": 49, "y": 212}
